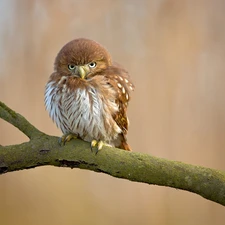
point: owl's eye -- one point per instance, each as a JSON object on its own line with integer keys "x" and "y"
{"x": 71, "y": 67}
{"x": 92, "y": 64}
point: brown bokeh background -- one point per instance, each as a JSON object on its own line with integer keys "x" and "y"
{"x": 174, "y": 51}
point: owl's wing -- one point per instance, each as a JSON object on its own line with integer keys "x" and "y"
{"x": 120, "y": 81}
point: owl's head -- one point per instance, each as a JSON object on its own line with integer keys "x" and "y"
{"x": 82, "y": 58}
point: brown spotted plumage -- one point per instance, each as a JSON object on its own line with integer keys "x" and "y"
{"x": 87, "y": 95}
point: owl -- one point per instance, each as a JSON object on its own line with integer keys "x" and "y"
{"x": 87, "y": 95}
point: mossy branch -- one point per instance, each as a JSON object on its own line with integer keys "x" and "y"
{"x": 43, "y": 149}
{"x": 18, "y": 121}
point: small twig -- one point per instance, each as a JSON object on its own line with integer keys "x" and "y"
{"x": 18, "y": 121}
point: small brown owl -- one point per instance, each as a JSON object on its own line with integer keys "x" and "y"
{"x": 87, "y": 95}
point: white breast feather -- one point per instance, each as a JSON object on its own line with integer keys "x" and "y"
{"x": 73, "y": 113}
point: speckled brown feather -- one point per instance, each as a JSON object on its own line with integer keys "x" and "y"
{"x": 119, "y": 76}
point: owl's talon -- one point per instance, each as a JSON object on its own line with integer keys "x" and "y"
{"x": 93, "y": 144}
{"x": 66, "y": 138}
{"x": 98, "y": 144}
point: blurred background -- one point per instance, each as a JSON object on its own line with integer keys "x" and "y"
{"x": 174, "y": 51}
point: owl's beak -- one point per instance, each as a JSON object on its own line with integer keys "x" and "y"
{"x": 83, "y": 71}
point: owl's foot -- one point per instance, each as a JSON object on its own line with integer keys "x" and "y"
{"x": 98, "y": 145}
{"x": 66, "y": 138}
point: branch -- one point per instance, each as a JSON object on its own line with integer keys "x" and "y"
{"x": 18, "y": 121}
{"x": 43, "y": 149}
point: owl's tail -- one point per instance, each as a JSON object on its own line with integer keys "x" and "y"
{"x": 124, "y": 145}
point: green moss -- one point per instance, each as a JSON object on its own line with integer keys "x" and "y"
{"x": 10, "y": 111}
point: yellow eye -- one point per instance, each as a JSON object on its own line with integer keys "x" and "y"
{"x": 71, "y": 67}
{"x": 92, "y": 64}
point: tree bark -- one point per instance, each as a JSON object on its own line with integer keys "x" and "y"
{"x": 43, "y": 149}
